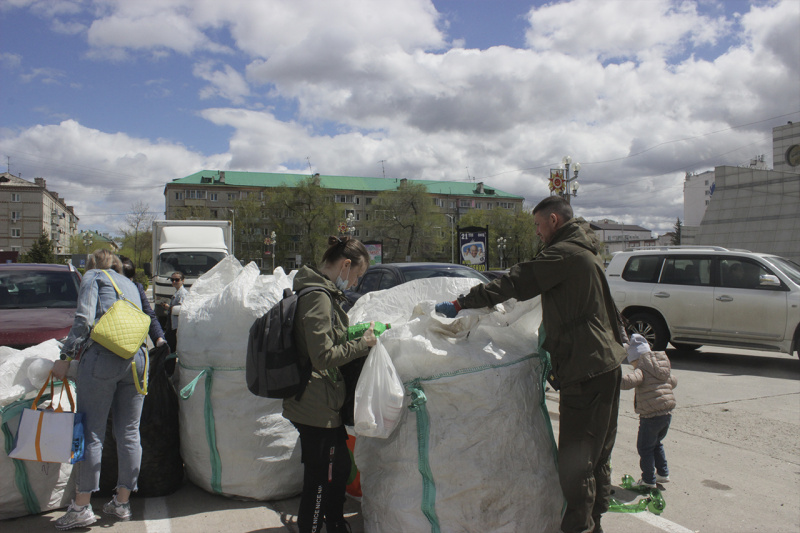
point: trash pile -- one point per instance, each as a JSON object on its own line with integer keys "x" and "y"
{"x": 474, "y": 450}
{"x": 232, "y": 442}
{"x": 28, "y": 487}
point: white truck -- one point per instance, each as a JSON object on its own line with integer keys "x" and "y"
{"x": 192, "y": 247}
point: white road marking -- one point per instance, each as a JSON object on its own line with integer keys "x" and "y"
{"x": 156, "y": 516}
{"x": 661, "y": 523}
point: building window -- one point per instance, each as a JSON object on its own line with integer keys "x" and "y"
{"x": 466, "y": 203}
{"x": 706, "y": 182}
{"x": 706, "y": 202}
{"x": 438, "y": 202}
{"x": 489, "y": 206}
{"x": 15, "y": 197}
{"x": 212, "y": 196}
{"x": 179, "y": 195}
{"x": 344, "y": 198}
{"x": 196, "y": 195}
{"x": 369, "y": 200}
{"x": 16, "y": 233}
{"x": 16, "y": 215}
{"x": 233, "y": 196}
{"x": 452, "y": 205}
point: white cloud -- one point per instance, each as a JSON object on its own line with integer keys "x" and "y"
{"x": 226, "y": 82}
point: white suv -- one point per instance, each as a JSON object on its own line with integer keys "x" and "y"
{"x": 690, "y": 296}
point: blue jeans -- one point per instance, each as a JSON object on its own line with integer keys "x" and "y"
{"x": 651, "y": 451}
{"x": 105, "y": 383}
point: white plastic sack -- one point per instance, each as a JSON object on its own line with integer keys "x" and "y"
{"x": 379, "y": 395}
{"x": 487, "y": 444}
{"x": 28, "y": 487}
{"x": 232, "y": 442}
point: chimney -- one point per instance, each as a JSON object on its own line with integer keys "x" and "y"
{"x": 40, "y": 182}
{"x": 222, "y": 176}
{"x": 479, "y": 189}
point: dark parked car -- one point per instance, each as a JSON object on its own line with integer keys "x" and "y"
{"x": 386, "y": 276}
{"x": 37, "y": 302}
{"x": 494, "y": 274}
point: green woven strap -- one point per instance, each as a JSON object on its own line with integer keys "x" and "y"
{"x": 418, "y": 401}
{"x": 208, "y": 412}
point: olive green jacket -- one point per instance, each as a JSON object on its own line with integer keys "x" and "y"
{"x": 320, "y": 330}
{"x": 578, "y": 313}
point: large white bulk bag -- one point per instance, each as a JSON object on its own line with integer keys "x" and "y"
{"x": 477, "y": 452}
{"x": 28, "y": 487}
{"x": 232, "y": 442}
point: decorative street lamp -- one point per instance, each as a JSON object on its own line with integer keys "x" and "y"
{"x": 501, "y": 249}
{"x": 87, "y": 240}
{"x": 274, "y": 237}
{"x": 351, "y": 223}
{"x": 560, "y": 181}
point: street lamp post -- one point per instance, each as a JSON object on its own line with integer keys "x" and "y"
{"x": 452, "y": 238}
{"x": 233, "y": 231}
{"x": 87, "y": 241}
{"x": 570, "y": 183}
{"x": 501, "y": 249}
{"x": 273, "y": 236}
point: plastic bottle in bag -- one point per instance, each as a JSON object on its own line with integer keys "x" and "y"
{"x": 357, "y": 330}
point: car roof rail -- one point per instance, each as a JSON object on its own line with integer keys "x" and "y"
{"x": 687, "y": 247}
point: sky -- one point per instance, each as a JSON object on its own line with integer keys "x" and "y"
{"x": 108, "y": 100}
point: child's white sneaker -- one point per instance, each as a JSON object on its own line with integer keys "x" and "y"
{"x": 662, "y": 479}
{"x": 641, "y": 483}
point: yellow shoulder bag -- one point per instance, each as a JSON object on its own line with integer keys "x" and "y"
{"x": 123, "y": 330}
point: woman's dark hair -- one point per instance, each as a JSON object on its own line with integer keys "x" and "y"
{"x": 128, "y": 268}
{"x": 346, "y": 247}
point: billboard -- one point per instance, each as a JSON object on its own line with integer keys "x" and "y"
{"x": 375, "y": 249}
{"x": 473, "y": 246}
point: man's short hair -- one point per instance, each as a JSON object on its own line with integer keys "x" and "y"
{"x": 554, "y": 204}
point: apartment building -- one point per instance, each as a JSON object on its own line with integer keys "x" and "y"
{"x": 27, "y": 209}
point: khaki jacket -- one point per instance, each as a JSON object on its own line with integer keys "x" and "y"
{"x": 320, "y": 331}
{"x": 654, "y": 382}
{"x": 578, "y": 312}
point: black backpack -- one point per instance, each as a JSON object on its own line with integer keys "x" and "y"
{"x": 274, "y": 368}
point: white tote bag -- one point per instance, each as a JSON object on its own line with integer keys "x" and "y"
{"x": 379, "y": 395}
{"x": 50, "y": 435}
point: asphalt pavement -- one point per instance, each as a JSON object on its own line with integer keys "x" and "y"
{"x": 733, "y": 450}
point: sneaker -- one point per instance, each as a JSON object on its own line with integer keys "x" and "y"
{"x": 662, "y": 479}
{"x": 641, "y": 483}
{"x": 76, "y": 517}
{"x": 121, "y": 510}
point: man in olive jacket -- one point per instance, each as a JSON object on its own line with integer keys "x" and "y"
{"x": 583, "y": 338}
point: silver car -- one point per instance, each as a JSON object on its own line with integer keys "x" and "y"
{"x": 694, "y": 296}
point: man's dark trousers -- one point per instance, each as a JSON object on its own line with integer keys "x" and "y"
{"x": 587, "y": 430}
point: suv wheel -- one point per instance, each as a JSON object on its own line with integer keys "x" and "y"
{"x": 685, "y": 347}
{"x": 651, "y": 328}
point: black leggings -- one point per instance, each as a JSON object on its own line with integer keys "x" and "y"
{"x": 327, "y": 467}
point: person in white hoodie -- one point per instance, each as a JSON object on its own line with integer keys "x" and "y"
{"x": 653, "y": 402}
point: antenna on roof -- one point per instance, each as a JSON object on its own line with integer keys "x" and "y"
{"x": 309, "y": 164}
{"x": 382, "y": 161}
{"x": 468, "y": 176}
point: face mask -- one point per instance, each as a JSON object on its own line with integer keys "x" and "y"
{"x": 342, "y": 284}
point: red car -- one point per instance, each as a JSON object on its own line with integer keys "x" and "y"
{"x": 37, "y": 302}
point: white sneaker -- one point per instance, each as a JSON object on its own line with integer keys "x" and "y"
{"x": 641, "y": 483}
{"x": 121, "y": 510}
{"x": 76, "y": 517}
{"x": 662, "y": 479}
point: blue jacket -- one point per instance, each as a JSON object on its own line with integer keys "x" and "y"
{"x": 95, "y": 297}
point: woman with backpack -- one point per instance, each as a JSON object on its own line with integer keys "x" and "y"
{"x": 320, "y": 334}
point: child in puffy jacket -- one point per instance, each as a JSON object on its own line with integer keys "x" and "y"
{"x": 653, "y": 402}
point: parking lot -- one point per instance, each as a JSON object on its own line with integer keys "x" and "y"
{"x": 733, "y": 451}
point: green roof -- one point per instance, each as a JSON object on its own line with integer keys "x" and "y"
{"x": 346, "y": 183}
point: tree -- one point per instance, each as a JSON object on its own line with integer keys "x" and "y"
{"x": 137, "y": 234}
{"x": 249, "y": 228}
{"x": 302, "y": 217}
{"x": 409, "y": 221}
{"x": 42, "y": 251}
{"x": 676, "y": 238}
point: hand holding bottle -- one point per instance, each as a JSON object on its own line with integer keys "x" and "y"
{"x": 369, "y": 335}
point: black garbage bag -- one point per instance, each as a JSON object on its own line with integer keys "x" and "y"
{"x": 162, "y": 470}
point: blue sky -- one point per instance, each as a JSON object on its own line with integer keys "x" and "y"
{"x": 110, "y": 99}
